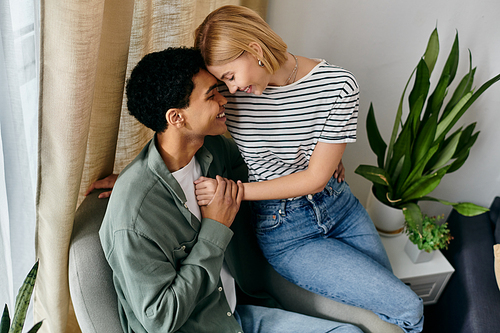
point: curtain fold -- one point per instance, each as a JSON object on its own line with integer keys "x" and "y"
{"x": 85, "y": 132}
{"x": 18, "y": 131}
{"x": 71, "y": 32}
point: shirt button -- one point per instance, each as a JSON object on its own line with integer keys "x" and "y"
{"x": 220, "y": 288}
{"x": 309, "y": 196}
{"x": 229, "y": 314}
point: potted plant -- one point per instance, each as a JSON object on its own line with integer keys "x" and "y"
{"x": 434, "y": 236}
{"x": 422, "y": 148}
{"x": 22, "y": 302}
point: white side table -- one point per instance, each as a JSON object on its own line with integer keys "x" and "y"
{"x": 426, "y": 279}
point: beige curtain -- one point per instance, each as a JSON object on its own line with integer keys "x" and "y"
{"x": 88, "y": 48}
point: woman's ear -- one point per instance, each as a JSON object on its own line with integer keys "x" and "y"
{"x": 174, "y": 117}
{"x": 257, "y": 48}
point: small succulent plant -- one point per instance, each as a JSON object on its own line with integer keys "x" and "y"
{"x": 434, "y": 236}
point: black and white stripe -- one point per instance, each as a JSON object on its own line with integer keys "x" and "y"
{"x": 277, "y": 131}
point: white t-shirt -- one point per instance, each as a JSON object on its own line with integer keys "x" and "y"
{"x": 186, "y": 177}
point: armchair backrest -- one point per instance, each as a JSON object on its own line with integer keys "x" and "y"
{"x": 90, "y": 278}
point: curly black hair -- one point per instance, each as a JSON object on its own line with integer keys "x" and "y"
{"x": 161, "y": 81}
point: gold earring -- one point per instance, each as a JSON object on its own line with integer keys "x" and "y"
{"x": 261, "y": 64}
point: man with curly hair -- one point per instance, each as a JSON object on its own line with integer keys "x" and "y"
{"x": 176, "y": 266}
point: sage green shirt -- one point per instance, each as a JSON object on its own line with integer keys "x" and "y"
{"x": 166, "y": 263}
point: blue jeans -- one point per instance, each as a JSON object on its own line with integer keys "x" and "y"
{"x": 255, "y": 319}
{"x": 327, "y": 243}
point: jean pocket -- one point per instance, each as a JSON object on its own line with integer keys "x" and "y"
{"x": 335, "y": 188}
{"x": 265, "y": 223}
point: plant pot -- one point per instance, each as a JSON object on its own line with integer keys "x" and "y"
{"x": 416, "y": 255}
{"x": 389, "y": 221}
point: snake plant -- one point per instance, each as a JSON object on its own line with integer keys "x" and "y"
{"x": 422, "y": 149}
{"x": 21, "y": 307}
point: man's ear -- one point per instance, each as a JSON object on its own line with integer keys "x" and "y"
{"x": 175, "y": 117}
{"x": 257, "y": 48}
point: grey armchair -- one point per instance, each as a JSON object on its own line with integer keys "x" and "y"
{"x": 95, "y": 301}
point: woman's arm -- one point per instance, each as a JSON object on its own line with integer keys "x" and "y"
{"x": 324, "y": 162}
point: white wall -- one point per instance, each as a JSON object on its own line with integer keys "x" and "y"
{"x": 381, "y": 42}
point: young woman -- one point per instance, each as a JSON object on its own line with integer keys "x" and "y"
{"x": 291, "y": 118}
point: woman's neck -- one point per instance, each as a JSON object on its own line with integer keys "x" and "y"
{"x": 292, "y": 71}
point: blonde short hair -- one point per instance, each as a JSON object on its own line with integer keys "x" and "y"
{"x": 227, "y": 32}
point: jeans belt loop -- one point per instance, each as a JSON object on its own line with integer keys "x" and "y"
{"x": 282, "y": 209}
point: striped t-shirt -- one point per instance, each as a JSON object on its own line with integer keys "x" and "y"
{"x": 277, "y": 131}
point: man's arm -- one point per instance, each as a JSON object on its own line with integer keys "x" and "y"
{"x": 163, "y": 289}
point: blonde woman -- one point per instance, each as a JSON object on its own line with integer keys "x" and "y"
{"x": 292, "y": 118}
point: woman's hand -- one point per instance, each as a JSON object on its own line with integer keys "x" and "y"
{"x": 205, "y": 190}
{"x": 225, "y": 203}
{"x": 107, "y": 182}
{"x": 340, "y": 172}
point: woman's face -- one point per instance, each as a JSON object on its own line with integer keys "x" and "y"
{"x": 243, "y": 73}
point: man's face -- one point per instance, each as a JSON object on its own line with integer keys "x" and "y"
{"x": 205, "y": 113}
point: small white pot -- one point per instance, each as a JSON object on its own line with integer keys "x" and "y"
{"x": 416, "y": 255}
{"x": 389, "y": 221}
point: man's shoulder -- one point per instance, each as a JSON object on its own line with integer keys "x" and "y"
{"x": 137, "y": 187}
{"x": 220, "y": 145}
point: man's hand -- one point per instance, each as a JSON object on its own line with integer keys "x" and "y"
{"x": 225, "y": 203}
{"x": 205, "y": 190}
{"x": 107, "y": 182}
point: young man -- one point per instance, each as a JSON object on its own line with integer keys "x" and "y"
{"x": 175, "y": 266}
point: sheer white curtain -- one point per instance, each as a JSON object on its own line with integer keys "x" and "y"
{"x": 18, "y": 143}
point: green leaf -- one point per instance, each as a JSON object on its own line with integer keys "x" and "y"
{"x": 377, "y": 144}
{"x": 400, "y": 149}
{"x": 466, "y": 139}
{"x": 380, "y": 192}
{"x": 415, "y": 115}
{"x": 413, "y": 215}
{"x": 469, "y": 209}
{"x": 420, "y": 87}
{"x": 457, "y": 164}
{"x": 419, "y": 168}
{"x": 373, "y": 174}
{"x": 425, "y": 139}
{"x": 36, "y": 327}
{"x": 463, "y": 154}
{"x": 463, "y": 88}
{"x": 5, "y": 323}
{"x": 397, "y": 122}
{"x": 432, "y": 50}
{"x": 424, "y": 186}
{"x": 451, "y": 66}
{"x": 404, "y": 169}
{"x": 436, "y": 100}
{"x": 448, "y": 74}
{"x": 22, "y": 300}
{"x": 448, "y": 151}
{"x": 445, "y": 125}
{"x": 464, "y": 208}
{"x": 461, "y": 110}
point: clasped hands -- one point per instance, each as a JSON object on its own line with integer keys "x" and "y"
{"x": 219, "y": 199}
